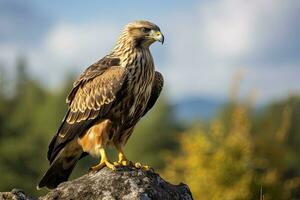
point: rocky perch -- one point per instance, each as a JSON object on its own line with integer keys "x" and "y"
{"x": 125, "y": 183}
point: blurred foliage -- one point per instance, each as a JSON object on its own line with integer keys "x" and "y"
{"x": 236, "y": 155}
{"x": 239, "y": 154}
{"x": 215, "y": 163}
{"x": 28, "y": 118}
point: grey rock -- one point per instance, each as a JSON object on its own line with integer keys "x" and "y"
{"x": 125, "y": 183}
{"x": 15, "y": 194}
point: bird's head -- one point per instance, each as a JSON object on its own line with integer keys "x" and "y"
{"x": 143, "y": 33}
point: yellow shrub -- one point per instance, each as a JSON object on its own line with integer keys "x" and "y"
{"x": 215, "y": 163}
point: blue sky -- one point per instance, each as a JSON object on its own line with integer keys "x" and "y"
{"x": 207, "y": 42}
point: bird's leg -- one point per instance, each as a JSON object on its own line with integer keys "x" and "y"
{"x": 103, "y": 162}
{"x": 122, "y": 160}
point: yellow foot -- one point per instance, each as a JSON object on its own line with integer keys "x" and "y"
{"x": 101, "y": 165}
{"x": 140, "y": 166}
{"x": 104, "y": 162}
{"x": 123, "y": 162}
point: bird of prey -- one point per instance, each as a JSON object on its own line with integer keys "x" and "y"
{"x": 105, "y": 104}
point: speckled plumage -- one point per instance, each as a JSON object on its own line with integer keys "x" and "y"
{"x": 107, "y": 100}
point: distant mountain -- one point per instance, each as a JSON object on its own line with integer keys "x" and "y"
{"x": 194, "y": 108}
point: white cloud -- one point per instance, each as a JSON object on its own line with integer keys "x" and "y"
{"x": 227, "y": 27}
{"x": 67, "y": 41}
{"x": 71, "y": 46}
{"x": 224, "y": 36}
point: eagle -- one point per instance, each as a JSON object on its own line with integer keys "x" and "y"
{"x": 106, "y": 102}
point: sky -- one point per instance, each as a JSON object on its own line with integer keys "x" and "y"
{"x": 206, "y": 42}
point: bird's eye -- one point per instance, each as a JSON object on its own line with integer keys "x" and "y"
{"x": 146, "y": 30}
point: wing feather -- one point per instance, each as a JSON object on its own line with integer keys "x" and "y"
{"x": 102, "y": 94}
{"x": 156, "y": 90}
{"x": 92, "y": 96}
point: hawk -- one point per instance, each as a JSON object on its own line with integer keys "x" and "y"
{"x": 105, "y": 104}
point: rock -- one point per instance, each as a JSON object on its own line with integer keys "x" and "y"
{"x": 125, "y": 183}
{"x": 15, "y": 194}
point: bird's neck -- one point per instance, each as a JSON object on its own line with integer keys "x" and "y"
{"x": 128, "y": 52}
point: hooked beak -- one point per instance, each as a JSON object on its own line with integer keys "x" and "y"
{"x": 158, "y": 36}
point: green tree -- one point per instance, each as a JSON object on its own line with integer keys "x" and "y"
{"x": 276, "y": 135}
{"x": 31, "y": 116}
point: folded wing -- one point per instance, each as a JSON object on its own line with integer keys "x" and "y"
{"x": 90, "y": 99}
{"x": 155, "y": 92}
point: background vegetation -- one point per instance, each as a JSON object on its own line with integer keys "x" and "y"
{"x": 238, "y": 154}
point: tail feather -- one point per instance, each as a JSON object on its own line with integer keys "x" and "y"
{"x": 62, "y": 166}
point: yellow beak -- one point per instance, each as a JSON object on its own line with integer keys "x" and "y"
{"x": 158, "y": 36}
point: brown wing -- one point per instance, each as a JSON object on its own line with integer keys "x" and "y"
{"x": 90, "y": 99}
{"x": 156, "y": 90}
{"x": 91, "y": 72}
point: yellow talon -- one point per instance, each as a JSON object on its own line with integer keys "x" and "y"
{"x": 146, "y": 167}
{"x": 140, "y": 166}
{"x": 101, "y": 165}
{"x": 122, "y": 161}
{"x": 126, "y": 162}
{"x": 104, "y": 162}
